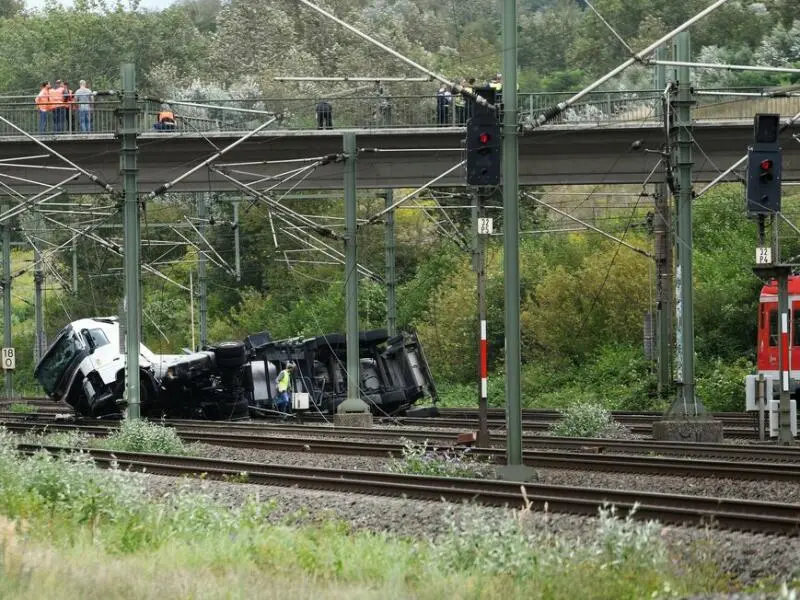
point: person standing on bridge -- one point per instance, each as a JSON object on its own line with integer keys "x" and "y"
{"x": 166, "y": 119}
{"x": 443, "y": 98}
{"x": 57, "y": 105}
{"x": 324, "y": 112}
{"x": 84, "y": 99}
{"x": 284, "y": 381}
{"x": 43, "y": 106}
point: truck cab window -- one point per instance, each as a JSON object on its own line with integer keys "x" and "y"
{"x": 99, "y": 337}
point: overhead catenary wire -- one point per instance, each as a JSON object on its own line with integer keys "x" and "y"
{"x": 167, "y": 186}
{"x": 560, "y": 107}
{"x": 456, "y": 87}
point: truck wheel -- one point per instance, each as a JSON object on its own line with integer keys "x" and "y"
{"x": 230, "y": 354}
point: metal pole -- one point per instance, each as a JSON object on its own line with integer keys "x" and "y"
{"x": 191, "y": 309}
{"x": 75, "y": 265}
{"x": 40, "y": 342}
{"x": 663, "y": 255}
{"x": 784, "y": 407}
{"x": 7, "y": 299}
{"x": 237, "y": 248}
{"x": 353, "y": 403}
{"x": 130, "y": 172}
{"x": 515, "y": 469}
{"x": 480, "y": 270}
{"x": 685, "y": 313}
{"x": 202, "y": 283}
{"x": 391, "y": 281}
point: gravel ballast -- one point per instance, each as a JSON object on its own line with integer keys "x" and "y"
{"x": 768, "y": 491}
{"x": 747, "y": 556}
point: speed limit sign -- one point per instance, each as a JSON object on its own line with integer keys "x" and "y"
{"x": 9, "y": 359}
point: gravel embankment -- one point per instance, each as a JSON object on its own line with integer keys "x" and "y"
{"x": 773, "y": 491}
{"x": 747, "y": 556}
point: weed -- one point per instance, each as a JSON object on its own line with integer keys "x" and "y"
{"x": 419, "y": 459}
{"x": 587, "y": 419}
{"x": 23, "y": 408}
{"x": 143, "y": 436}
{"x": 68, "y": 439}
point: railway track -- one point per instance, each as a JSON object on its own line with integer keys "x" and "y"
{"x": 597, "y": 445}
{"x": 741, "y": 515}
{"x": 734, "y": 427}
{"x": 582, "y": 459}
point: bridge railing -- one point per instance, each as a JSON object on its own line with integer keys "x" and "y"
{"x": 378, "y": 112}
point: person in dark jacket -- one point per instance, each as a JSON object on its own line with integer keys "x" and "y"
{"x": 443, "y": 98}
{"x": 324, "y": 115}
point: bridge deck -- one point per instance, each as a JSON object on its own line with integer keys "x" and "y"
{"x": 578, "y": 153}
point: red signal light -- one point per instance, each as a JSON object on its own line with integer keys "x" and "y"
{"x": 766, "y": 165}
{"x": 485, "y": 137}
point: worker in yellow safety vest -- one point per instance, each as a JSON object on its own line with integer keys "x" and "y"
{"x": 283, "y": 382}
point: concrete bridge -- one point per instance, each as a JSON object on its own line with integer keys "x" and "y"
{"x": 562, "y": 154}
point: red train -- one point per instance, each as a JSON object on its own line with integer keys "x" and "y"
{"x": 774, "y": 338}
{"x": 768, "y": 345}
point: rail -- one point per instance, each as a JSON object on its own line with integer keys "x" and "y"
{"x": 372, "y": 111}
{"x": 741, "y": 515}
{"x": 582, "y": 458}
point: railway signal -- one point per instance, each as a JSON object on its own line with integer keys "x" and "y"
{"x": 764, "y": 166}
{"x": 484, "y": 144}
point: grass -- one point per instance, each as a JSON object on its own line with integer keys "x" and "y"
{"x": 23, "y": 408}
{"x": 132, "y": 436}
{"x": 69, "y": 530}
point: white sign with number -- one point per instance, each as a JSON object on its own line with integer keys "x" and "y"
{"x": 9, "y": 359}
{"x": 763, "y": 255}
{"x": 485, "y": 226}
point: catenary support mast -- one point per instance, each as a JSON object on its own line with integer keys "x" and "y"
{"x": 130, "y": 171}
{"x": 515, "y": 469}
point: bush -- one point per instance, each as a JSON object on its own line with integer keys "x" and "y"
{"x": 586, "y": 419}
{"x": 418, "y": 459}
{"x": 720, "y": 385}
{"x": 143, "y": 436}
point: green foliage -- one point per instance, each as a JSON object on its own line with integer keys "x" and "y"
{"x": 419, "y": 459}
{"x": 143, "y": 436}
{"x": 23, "y": 408}
{"x": 65, "y": 513}
{"x": 67, "y": 439}
{"x": 720, "y": 384}
{"x": 585, "y": 419}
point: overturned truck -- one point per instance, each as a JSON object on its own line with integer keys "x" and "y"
{"x": 85, "y": 367}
